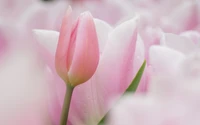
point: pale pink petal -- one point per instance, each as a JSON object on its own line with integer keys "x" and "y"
{"x": 178, "y": 43}
{"x": 190, "y": 67}
{"x": 48, "y": 41}
{"x": 139, "y": 58}
{"x": 142, "y": 110}
{"x": 63, "y": 44}
{"x": 193, "y": 36}
{"x": 23, "y": 89}
{"x": 164, "y": 61}
{"x": 47, "y": 38}
{"x": 115, "y": 70}
{"x": 185, "y": 77}
{"x": 133, "y": 110}
{"x": 102, "y": 29}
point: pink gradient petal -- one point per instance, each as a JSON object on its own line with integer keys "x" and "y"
{"x": 86, "y": 54}
{"x": 118, "y": 56}
{"x": 63, "y": 44}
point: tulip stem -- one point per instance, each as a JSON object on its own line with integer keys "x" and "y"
{"x": 66, "y": 105}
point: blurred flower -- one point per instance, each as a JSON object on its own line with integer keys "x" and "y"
{"x": 165, "y": 16}
{"x": 22, "y": 77}
{"x": 22, "y": 84}
{"x": 173, "y": 97}
{"x": 22, "y": 81}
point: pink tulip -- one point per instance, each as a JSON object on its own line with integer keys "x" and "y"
{"x": 119, "y": 61}
{"x": 77, "y": 54}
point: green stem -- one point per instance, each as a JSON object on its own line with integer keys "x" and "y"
{"x": 66, "y": 105}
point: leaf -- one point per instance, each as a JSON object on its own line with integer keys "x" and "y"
{"x": 132, "y": 87}
{"x": 134, "y": 84}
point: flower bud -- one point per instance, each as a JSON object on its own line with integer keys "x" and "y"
{"x": 77, "y": 54}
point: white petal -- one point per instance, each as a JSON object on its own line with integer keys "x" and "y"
{"x": 178, "y": 43}
{"x": 190, "y": 66}
{"x": 132, "y": 110}
{"x": 139, "y": 53}
{"x": 193, "y": 36}
{"x": 47, "y": 38}
{"x": 164, "y": 61}
{"x": 103, "y": 29}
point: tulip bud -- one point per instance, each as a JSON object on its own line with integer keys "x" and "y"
{"x": 77, "y": 53}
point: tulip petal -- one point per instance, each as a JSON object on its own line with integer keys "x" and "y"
{"x": 190, "y": 66}
{"x": 86, "y": 55}
{"x": 179, "y": 43}
{"x": 115, "y": 70}
{"x": 193, "y": 36}
{"x": 164, "y": 61}
{"x": 131, "y": 88}
{"x": 47, "y": 38}
{"x": 132, "y": 110}
{"x": 103, "y": 30}
{"x": 63, "y": 45}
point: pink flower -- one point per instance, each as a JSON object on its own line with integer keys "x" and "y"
{"x": 119, "y": 61}
{"x": 22, "y": 81}
{"x": 77, "y": 54}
